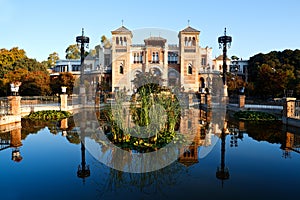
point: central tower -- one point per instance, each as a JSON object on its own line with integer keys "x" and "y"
{"x": 189, "y": 58}
{"x": 121, "y": 42}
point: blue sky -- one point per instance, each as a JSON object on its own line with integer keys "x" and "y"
{"x": 42, "y": 27}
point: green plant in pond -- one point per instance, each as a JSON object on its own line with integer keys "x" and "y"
{"x": 51, "y": 115}
{"x": 155, "y": 113}
{"x": 254, "y": 116}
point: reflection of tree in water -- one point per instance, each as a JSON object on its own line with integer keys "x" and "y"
{"x": 151, "y": 183}
{"x": 266, "y": 131}
{"x": 34, "y": 126}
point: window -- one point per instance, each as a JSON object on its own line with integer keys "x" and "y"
{"x": 106, "y": 60}
{"x": 117, "y": 40}
{"x": 141, "y": 57}
{"x": 134, "y": 58}
{"x": 190, "y": 69}
{"x": 138, "y": 57}
{"x": 172, "y": 58}
{"x": 125, "y": 41}
{"x": 121, "y": 69}
{"x": 155, "y": 58}
{"x": 203, "y": 61}
{"x": 194, "y": 41}
{"x": 121, "y": 41}
{"x": 75, "y": 67}
{"x": 185, "y": 41}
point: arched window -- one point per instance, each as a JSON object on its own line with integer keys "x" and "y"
{"x": 141, "y": 58}
{"x": 190, "y": 69}
{"x": 194, "y": 41}
{"x": 117, "y": 40}
{"x": 134, "y": 58}
{"x": 121, "y": 69}
{"x": 121, "y": 41}
{"x": 185, "y": 41}
{"x": 202, "y": 82}
{"x": 155, "y": 58}
{"x": 190, "y": 41}
{"x": 125, "y": 41}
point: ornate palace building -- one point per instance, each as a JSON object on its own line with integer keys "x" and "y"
{"x": 178, "y": 64}
{"x": 185, "y": 64}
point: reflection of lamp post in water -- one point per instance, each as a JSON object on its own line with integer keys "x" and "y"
{"x": 83, "y": 169}
{"x": 222, "y": 171}
{"x": 223, "y": 42}
{"x": 82, "y": 40}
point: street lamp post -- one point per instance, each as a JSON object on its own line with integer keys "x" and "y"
{"x": 224, "y": 41}
{"x": 83, "y": 41}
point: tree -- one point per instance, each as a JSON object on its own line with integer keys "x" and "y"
{"x": 16, "y": 66}
{"x": 234, "y": 58}
{"x": 33, "y": 82}
{"x": 73, "y": 52}
{"x": 36, "y": 83}
{"x": 52, "y": 58}
{"x": 149, "y": 79}
{"x": 105, "y": 42}
{"x": 273, "y": 73}
{"x": 8, "y": 59}
{"x": 64, "y": 79}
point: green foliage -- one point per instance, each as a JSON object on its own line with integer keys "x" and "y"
{"x": 73, "y": 52}
{"x": 63, "y": 79}
{"x": 52, "y": 58}
{"x": 148, "y": 80}
{"x": 163, "y": 122}
{"x": 274, "y": 72}
{"x": 105, "y": 42}
{"x": 254, "y": 116}
{"x": 15, "y": 66}
{"x": 9, "y": 59}
{"x": 48, "y": 115}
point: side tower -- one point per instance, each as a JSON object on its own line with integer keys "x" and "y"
{"x": 121, "y": 43}
{"x": 189, "y": 58}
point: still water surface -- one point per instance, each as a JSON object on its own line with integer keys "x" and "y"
{"x": 258, "y": 166}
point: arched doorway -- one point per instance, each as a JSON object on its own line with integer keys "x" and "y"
{"x": 202, "y": 85}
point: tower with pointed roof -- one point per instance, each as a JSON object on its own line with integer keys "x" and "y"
{"x": 189, "y": 58}
{"x": 121, "y": 43}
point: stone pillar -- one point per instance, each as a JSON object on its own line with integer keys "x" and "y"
{"x": 288, "y": 107}
{"x": 15, "y": 105}
{"x": 64, "y": 124}
{"x": 15, "y": 138}
{"x": 242, "y": 99}
{"x": 64, "y": 102}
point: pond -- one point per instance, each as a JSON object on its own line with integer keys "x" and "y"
{"x": 46, "y": 160}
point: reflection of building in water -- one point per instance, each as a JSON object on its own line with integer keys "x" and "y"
{"x": 195, "y": 128}
{"x": 292, "y": 143}
{"x": 12, "y": 139}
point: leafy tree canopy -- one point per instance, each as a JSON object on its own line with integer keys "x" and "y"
{"x": 52, "y": 58}
{"x": 273, "y": 73}
{"x": 73, "y": 52}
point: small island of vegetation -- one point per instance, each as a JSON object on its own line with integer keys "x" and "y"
{"x": 254, "y": 116}
{"x": 51, "y": 115}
